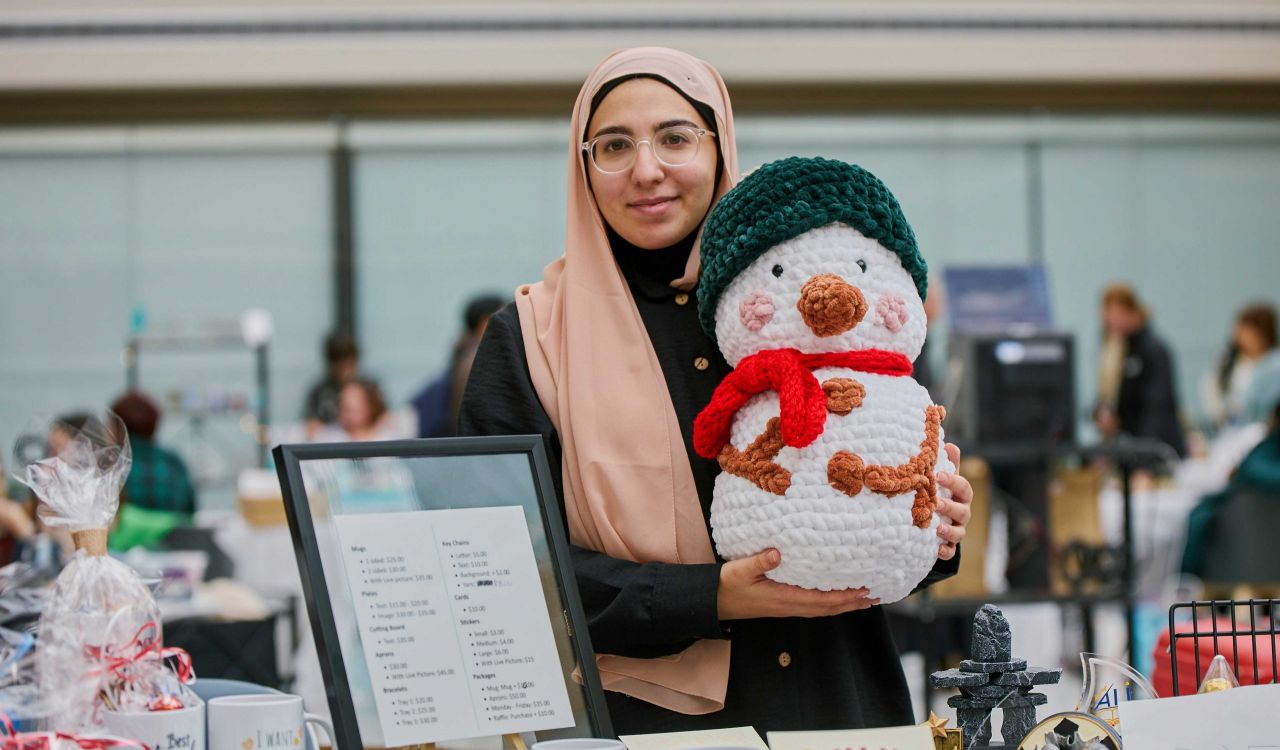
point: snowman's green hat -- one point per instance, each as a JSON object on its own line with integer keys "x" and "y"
{"x": 786, "y": 198}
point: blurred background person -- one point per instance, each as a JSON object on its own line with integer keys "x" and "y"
{"x": 1257, "y": 473}
{"x": 362, "y": 414}
{"x": 16, "y": 521}
{"x": 342, "y": 362}
{"x": 924, "y": 370}
{"x": 64, "y": 429}
{"x": 1264, "y": 389}
{"x": 1137, "y": 395}
{"x": 437, "y": 403}
{"x": 1252, "y": 339}
{"x": 159, "y": 495}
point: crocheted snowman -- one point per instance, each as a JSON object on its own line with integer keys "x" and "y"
{"x": 813, "y": 287}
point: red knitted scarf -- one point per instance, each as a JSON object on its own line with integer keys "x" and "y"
{"x": 802, "y": 403}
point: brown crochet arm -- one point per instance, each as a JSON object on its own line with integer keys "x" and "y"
{"x": 756, "y": 463}
{"x": 848, "y": 473}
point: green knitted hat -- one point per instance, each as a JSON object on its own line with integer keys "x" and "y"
{"x": 786, "y": 198}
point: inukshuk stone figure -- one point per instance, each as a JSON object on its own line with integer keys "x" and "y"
{"x": 992, "y": 678}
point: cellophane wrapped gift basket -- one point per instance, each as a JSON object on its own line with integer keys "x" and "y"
{"x": 98, "y": 648}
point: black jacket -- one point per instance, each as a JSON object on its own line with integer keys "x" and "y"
{"x": 785, "y": 673}
{"x": 1147, "y": 405}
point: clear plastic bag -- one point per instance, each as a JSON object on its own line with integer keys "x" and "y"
{"x": 1218, "y": 676}
{"x": 20, "y": 700}
{"x": 99, "y": 606}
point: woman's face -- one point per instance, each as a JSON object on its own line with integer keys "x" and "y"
{"x": 354, "y": 410}
{"x": 652, "y": 205}
{"x": 1250, "y": 340}
{"x": 1118, "y": 320}
{"x": 59, "y": 438}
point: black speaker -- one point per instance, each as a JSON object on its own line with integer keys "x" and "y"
{"x": 1011, "y": 392}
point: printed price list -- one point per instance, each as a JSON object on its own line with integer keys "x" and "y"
{"x": 453, "y": 624}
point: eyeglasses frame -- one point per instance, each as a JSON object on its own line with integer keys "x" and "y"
{"x": 587, "y": 146}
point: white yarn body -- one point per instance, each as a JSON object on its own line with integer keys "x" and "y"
{"x": 829, "y": 540}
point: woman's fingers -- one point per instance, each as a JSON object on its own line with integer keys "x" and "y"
{"x": 956, "y": 510}
{"x": 957, "y": 513}
{"x": 827, "y": 603}
{"x": 813, "y": 603}
{"x": 959, "y": 487}
{"x": 793, "y": 601}
{"x": 953, "y": 453}
{"x": 951, "y": 534}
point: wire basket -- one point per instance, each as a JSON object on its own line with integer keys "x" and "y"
{"x": 1222, "y": 625}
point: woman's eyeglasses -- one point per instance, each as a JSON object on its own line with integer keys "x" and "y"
{"x": 674, "y": 146}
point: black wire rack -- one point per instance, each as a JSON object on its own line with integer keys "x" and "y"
{"x": 1227, "y": 622}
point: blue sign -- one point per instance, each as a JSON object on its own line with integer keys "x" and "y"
{"x": 997, "y": 299}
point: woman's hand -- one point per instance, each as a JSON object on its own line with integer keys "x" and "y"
{"x": 745, "y": 593}
{"x": 956, "y": 511}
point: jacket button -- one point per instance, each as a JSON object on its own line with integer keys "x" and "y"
{"x": 784, "y": 659}
{"x": 682, "y": 299}
{"x": 701, "y": 363}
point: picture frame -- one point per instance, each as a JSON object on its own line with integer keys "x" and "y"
{"x": 321, "y": 483}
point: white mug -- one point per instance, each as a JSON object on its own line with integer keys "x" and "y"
{"x": 272, "y": 721}
{"x": 182, "y": 729}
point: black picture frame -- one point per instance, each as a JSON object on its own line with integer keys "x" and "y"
{"x": 288, "y": 460}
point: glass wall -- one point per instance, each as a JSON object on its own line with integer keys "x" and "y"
{"x": 446, "y": 211}
{"x": 108, "y": 233}
{"x": 110, "y": 230}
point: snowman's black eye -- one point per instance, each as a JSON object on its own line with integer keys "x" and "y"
{"x": 862, "y": 264}
{"x": 777, "y": 271}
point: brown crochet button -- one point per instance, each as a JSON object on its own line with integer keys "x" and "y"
{"x": 701, "y": 363}
{"x": 682, "y": 299}
{"x": 784, "y": 660}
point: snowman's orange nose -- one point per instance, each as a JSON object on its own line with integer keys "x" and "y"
{"x": 830, "y": 305}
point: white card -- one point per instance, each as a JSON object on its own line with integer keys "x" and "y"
{"x": 1238, "y": 719}
{"x": 735, "y": 737}
{"x": 453, "y": 624}
{"x": 889, "y": 738}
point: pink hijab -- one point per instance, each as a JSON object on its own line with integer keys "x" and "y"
{"x": 628, "y": 486}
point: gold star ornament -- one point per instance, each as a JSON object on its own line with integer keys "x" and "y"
{"x": 944, "y": 738}
{"x": 937, "y": 725}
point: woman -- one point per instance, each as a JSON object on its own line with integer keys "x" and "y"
{"x": 362, "y": 414}
{"x": 606, "y": 360}
{"x": 159, "y": 495}
{"x": 1253, "y": 338}
{"x": 438, "y": 402}
{"x": 1137, "y": 396}
{"x": 1258, "y": 473}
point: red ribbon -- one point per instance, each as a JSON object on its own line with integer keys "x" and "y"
{"x": 802, "y": 405}
{"x": 182, "y": 663}
{"x": 14, "y": 740}
{"x": 45, "y": 741}
{"x": 144, "y": 648}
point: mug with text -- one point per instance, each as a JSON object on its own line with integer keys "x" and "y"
{"x": 260, "y": 722}
{"x": 182, "y": 729}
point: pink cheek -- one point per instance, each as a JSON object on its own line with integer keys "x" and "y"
{"x": 756, "y": 310}
{"x": 891, "y": 312}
